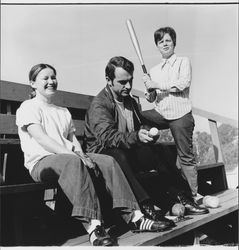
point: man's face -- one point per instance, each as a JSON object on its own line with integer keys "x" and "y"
{"x": 122, "y": 83}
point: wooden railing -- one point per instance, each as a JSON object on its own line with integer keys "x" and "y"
{"x": 213, "y": 119}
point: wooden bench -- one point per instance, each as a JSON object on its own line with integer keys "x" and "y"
{"x": 18, "y": 190}
{"x": 228, "y": 204}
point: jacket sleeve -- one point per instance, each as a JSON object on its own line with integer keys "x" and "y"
{"x": 103, "y": 124}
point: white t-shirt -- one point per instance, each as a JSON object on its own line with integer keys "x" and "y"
{"x": 55, "y": 121}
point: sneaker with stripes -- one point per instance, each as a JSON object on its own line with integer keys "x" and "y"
{"x": 147, "y": 225}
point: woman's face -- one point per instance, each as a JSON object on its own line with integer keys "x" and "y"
{"x": 45, "y": 83}
{"x": 166, "y": 46}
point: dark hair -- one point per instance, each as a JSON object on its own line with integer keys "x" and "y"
{"x": 35, "y": 70}
{"x": 159, "y": 34}
{"x": 118, "y": 61}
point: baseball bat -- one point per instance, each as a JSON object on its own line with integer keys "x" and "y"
{"x": 135, "y": 44}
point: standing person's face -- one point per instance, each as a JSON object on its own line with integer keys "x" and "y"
{"x": 122, "y": 83}
{"x": 45, "y": 83}
{"x": 166, "y": 46}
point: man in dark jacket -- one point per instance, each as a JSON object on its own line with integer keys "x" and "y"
{"x": 114, "y": 126}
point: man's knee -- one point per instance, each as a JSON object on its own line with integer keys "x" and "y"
{"x": 109, "y": 161}
{"x": 118, "y": 154}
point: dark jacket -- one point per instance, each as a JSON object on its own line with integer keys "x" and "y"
{"x": 101, "y": 124}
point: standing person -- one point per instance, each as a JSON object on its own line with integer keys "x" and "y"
{"x": 52, "y": 153}
{"x": 114, "y": 126}
{"x": 168, "y": 86}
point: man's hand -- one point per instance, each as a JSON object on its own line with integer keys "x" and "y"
{"x": 144, "y": 137}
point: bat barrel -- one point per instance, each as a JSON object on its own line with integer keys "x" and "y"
{"x": 135, "y": 43}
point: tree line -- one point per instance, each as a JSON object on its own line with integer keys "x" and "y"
{"x": 203, "y": 147}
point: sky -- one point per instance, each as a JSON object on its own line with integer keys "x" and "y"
{"x": 78, "y": 40}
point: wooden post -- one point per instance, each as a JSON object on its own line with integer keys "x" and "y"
{"x": 216, "y": 141}
{"x": 4, "y": 167}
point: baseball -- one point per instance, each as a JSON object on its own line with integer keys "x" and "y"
{"x": 178, "y": 209}
{"x": 211, "y": 201}
{"x": 153, "y": 132}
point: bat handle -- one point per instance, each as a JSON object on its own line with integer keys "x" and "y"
{"x": 144, "y": 69}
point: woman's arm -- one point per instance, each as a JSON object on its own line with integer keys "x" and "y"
{"x": 77, "y": 146}
{"x": 78, "y": 151}
{"x": 185, "y": 76}
{"x": 152, "y": 86}
{"x": 49, "y": 144}
{"x": 150, "y": 95}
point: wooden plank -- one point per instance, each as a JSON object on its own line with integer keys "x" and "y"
{"x": 150, "y": 239}
{"x": 211, "y": 165}
{"x": 5, "y": 141}
{"x": 8, "y": 125}
{"x": 79, "y": 125}
{"x": 229, "y": 203}
{"x": 21, "y": 188}
{"x": 72, "y": 100}
{"x": 14, "y": 91}
{"x": 20, "y": 92}
{"x": 214, "y": 117}
{"x": 216, "y": 141}
{"x": 78, "y": 241}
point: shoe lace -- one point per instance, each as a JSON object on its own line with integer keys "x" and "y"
{"x": 185, "y": 200}
{"x": 100, "y": 231}
{"x": 154, "y": 214}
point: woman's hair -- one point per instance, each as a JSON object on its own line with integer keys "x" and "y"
{"x": 159, "y": 34}
{"x": 35, "y": 70}
{"x": 118, "y": 61}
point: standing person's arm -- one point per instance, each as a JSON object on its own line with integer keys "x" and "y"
{"x": 183, "y": 81}
{"x": 185, "y": 76}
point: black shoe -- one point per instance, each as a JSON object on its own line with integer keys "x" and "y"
{"x": 146, "y": 225}
{"x": 102, "y": 238}
{"x": 156, "y": 215}
{"x": 191, "y": 207}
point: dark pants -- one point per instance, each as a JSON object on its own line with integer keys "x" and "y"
{"x": 145, "y": 158}
{"x": 76, "y": 182}
{"x": 182, "y": 132}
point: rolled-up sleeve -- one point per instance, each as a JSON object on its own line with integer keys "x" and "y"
{"x": 27, "y": 114}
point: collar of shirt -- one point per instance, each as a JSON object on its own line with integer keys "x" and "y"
{"x": 171, "y": 60}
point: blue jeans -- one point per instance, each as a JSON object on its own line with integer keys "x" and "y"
{"x": 76, "y": 182}
{"x": 182, "y": 132}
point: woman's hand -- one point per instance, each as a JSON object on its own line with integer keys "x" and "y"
{"x": 88, "y": 162}
{"x": 149, "y": 84}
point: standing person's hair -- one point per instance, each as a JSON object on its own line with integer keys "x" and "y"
{"x": 159, "y": 34}
{"x": 118, "y": 61}
{"x": 35, "y": 70}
